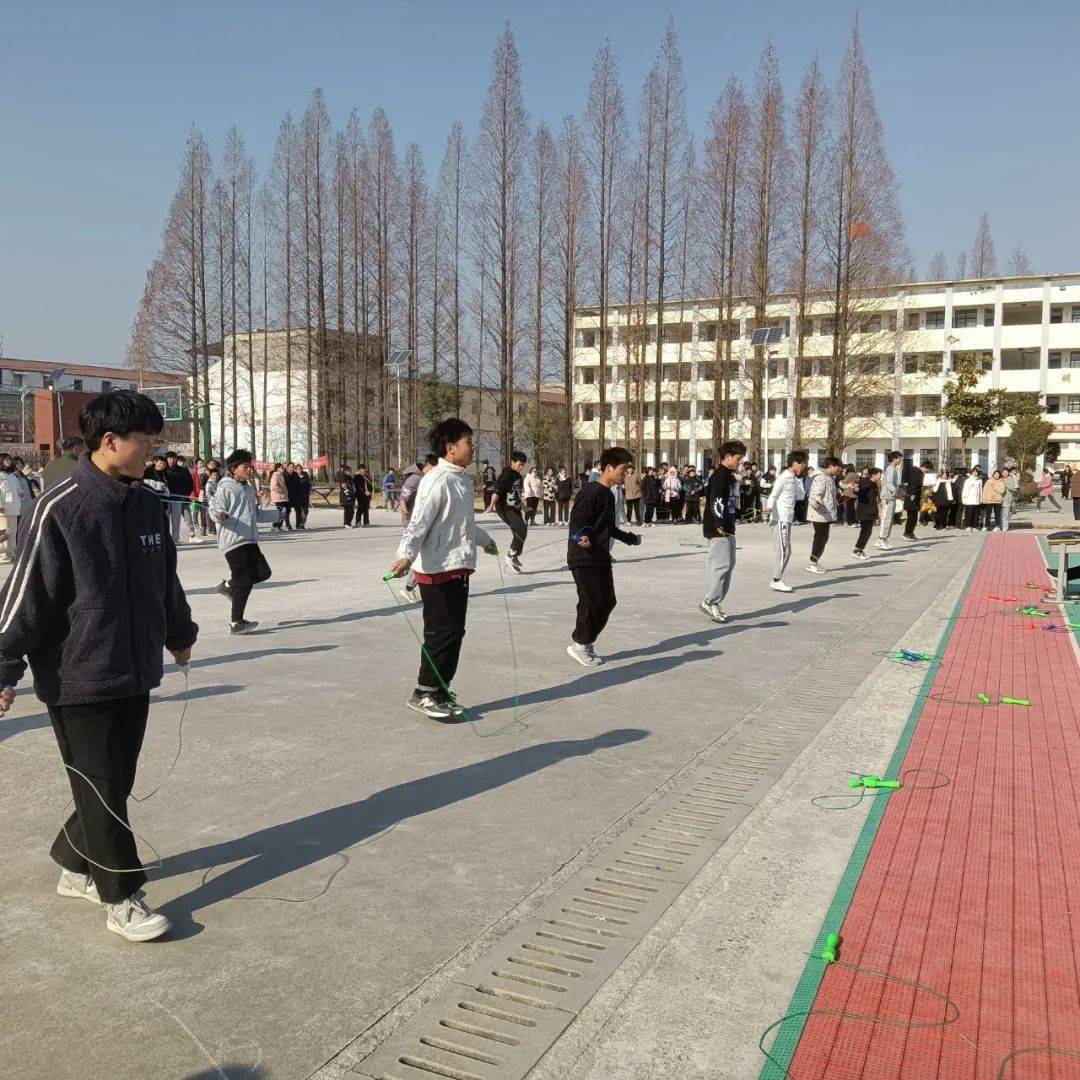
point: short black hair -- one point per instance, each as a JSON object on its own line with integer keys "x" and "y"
{"x": 431, "y": 459}
{"x": 71, "y": 443}
{"x": 830, "y": 461}
{"x": 517, "y": 455}
{"x": 180, "y": 457}
{"x": 873, "y": 470}
{"x": 614, "y": 456}
{"x": 734, "y": 446}
{"x": 171, "y": 453}
{"x": 239, "y": 457}
{"x": 448, "y": 431}
{"x": 800, "y": 457}
{"x": 895, "y": 455}
{"x": 925, "y": 465}
{"x": 158, "y": 457}
{"x": 121, "y": 412}
{"x": 359, "y": 467}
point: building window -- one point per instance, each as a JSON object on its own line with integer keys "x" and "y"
{"x": 1053, "y": 403}
{"x": 806, "y": 367}
{"x": 778, "y": 407}
{"x": 864, "y": 459}
{"x": 588, "y": 376}
{"x": 1074, "y": 314}
{"x": 678, "y": 333}
{"x": 1057, "y": 314}
{"x": 908, "y": 403}
{"x": 1053, "y": 360}
{"x": 987, "y": 363}
{"x": 106, "y": 386}
{"x": 1074, "y": 359}
{"x": 965, "y": 317}
{"x": 911, "y": 365}
{"x": 1073, "y": 405}
{"x": 911, "y": 320}
{"x": 76, "y": 384}
{"x": 707, "y": 331}
{"x": 17, "y": 378}
{"x": 828, "y": 326}
{"x": 935, "y": 320}
{"x": 988, "y": 316}
{"x": 870, "y": 325}
{"x": 588, "y": 412}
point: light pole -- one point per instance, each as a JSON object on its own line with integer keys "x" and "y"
{"x": 396, "y": 364}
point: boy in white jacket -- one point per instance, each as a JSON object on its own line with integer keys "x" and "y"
{"x": 439, "y": 544}
{"x": 786, "y": 492}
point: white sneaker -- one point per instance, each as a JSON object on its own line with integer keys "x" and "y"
{"x": 813, "y": 568}
{"x": 584, "y": 655}
{"x": 513, "y": 565}
{"x": 80, "y": 886}
{"x": 883, "y": 544}
{"x": 857, "y": 554}
{"x": 969, "y": 530}
{"x": 408, "y": 595}
{"x": 134, "y": 920}
{"x": 714, "y": 611}
{"x": 780, "y": 586}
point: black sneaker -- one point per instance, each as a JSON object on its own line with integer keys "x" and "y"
{"x": 244, "y": 626}
{"x": 456, "y": 708}
{"x": 429, "y": 704}
{"x": 225, "y": 589}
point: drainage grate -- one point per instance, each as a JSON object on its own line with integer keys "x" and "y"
{"x": 503, "y": 1013}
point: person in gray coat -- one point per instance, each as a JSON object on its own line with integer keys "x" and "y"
{"x": 821, "y": 510}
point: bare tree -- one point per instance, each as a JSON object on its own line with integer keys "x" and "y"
{"x": 938, "y": 270}
{"x": 499, "y": 161}
{"x": 414, "y": 224}
{"x": 983, "y": 262}
{"x": 864, "y": 245}
{"x": 961, "y": 265}
{"x": 766, "y": 181}
{"x": 571, "y": 197}
{"x": 1019, "y": 266}
{"x": 542, "y": 162}
{"x": 219, "y": 201}
{"x": 605, "y": 119}
{"x": 453, "y": 198}
{"x": 810, "y": 129}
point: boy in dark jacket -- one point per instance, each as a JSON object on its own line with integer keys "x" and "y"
{"x": 506, "y": 502}
{"x": 592, "y": 528}
{"x": 92, "y": 601}
{"x": 722, "y": 505}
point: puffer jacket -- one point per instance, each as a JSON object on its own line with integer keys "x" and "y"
{"x": 822, "y": 498}
{"x": 551, "y": 486}
{"x": 993, "y": 492}
{"x": 279, "y": 493}
{"x": 534, "y": 487}
{"x": 973, "y": 489}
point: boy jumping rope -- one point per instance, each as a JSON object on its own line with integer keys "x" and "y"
{"x": 235, "y": 508}
{"x": 441, "y": 538}
{"x": 91, "y": 602}
{"x": 592, "y": 528}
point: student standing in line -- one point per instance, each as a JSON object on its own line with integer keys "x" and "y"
{"x": 551, "y": 487}
{"x": 866, "y": 509}
{"x": 534, "y": 492}
{"x": 506, "y": 502}
{"x": 956, "y": 515}
{"x": 389, "y": 490}
{"x": 488, "y": 477}
{"x": 409, "y": 487}
{"x": 1012, "y": 493}
{"x": 672, "y": 494}
{"x": 632, "y": 491}
{"x": 304, "y": 484}
{"x": 781, "y": 509}
{"x": 363, "y": 489}
{"x": 943, "y": 500}
{"x": 93, "y": 601}
{"x": 993, "y": 497}
{"x": 913, "y": 479}
{"x": 592, "y": 528}
{"x": 346, "y": 496}
{"x": 292, "y": 485}
{"x": 236, "y": 510}
{"x": 821, "y": 510}
{"x": 441, "y": 538}
{"x": 1074, "y": 493}
{"x": 1066, "y": 482}
{"x": 691, "y": 489}
{"x": 722, "y": 509}
{"x": 279, "y": 496}
{"x": 972, "y": 499}
{"x": 650, "y": 494}
{"x": 891, "y": 487}
{"x": 564, "y": 492}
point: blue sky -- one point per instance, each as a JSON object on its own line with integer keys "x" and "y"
{"x": 978, "y": 100}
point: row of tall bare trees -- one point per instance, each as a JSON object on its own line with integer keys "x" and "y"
{"x": 374, "y": 273}
{"x": 981, "y": 261}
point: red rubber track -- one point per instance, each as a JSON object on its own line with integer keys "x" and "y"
{"x": 972, "y": 890}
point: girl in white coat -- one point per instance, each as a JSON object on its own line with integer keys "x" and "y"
{"x": 971, "y": 498}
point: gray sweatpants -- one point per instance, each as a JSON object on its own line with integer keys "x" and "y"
{"x": 175, "y": 511}
{"x": 888, "y": 512}
{"x": 719, "y": 567}
{"x": 781, "y": 549}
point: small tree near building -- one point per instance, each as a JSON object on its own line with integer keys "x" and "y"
{"x": 973, "y": 412}
{"x": 1030, "y": 434}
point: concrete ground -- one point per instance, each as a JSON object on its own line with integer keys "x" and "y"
{"x": 328, "y": 856}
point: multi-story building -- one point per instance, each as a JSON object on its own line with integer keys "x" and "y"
{"x": 278, "y": 386}
{"x": 1024, "y": 331}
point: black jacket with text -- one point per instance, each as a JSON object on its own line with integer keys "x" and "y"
{"x": 93, "y": 596}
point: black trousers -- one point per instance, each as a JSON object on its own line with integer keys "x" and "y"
{"x": 972, "y": 517}
{"x": 849, "y": 512}
{"x": 911, "y": 516}
{"x": 633, "y": 510}
{"x": 249, "y": 567}
{"x": 445, "y": 607}
{"x": 865, "y": 529}
{"x": 650, "y": 510}
{"x": 512, "y": 517}
{"x": 821, "y": 538}
{"x": 103, "y": 742}
{"x": 363, "y": 512}
{"x": 595, "y": 601}
{"x": 549, "y": 511}
{"x": 992, "y": 515}
{"x": 349, "y": 509}
{"x": 531, "y": 503}
{"x": 283, "y": 511}
{"x": 564, "y": 509}
{"x": 941, "y": 516}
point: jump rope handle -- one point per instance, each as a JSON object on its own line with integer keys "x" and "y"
{"x": 832, "y": 943}
{"x": 185, "y": 668}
